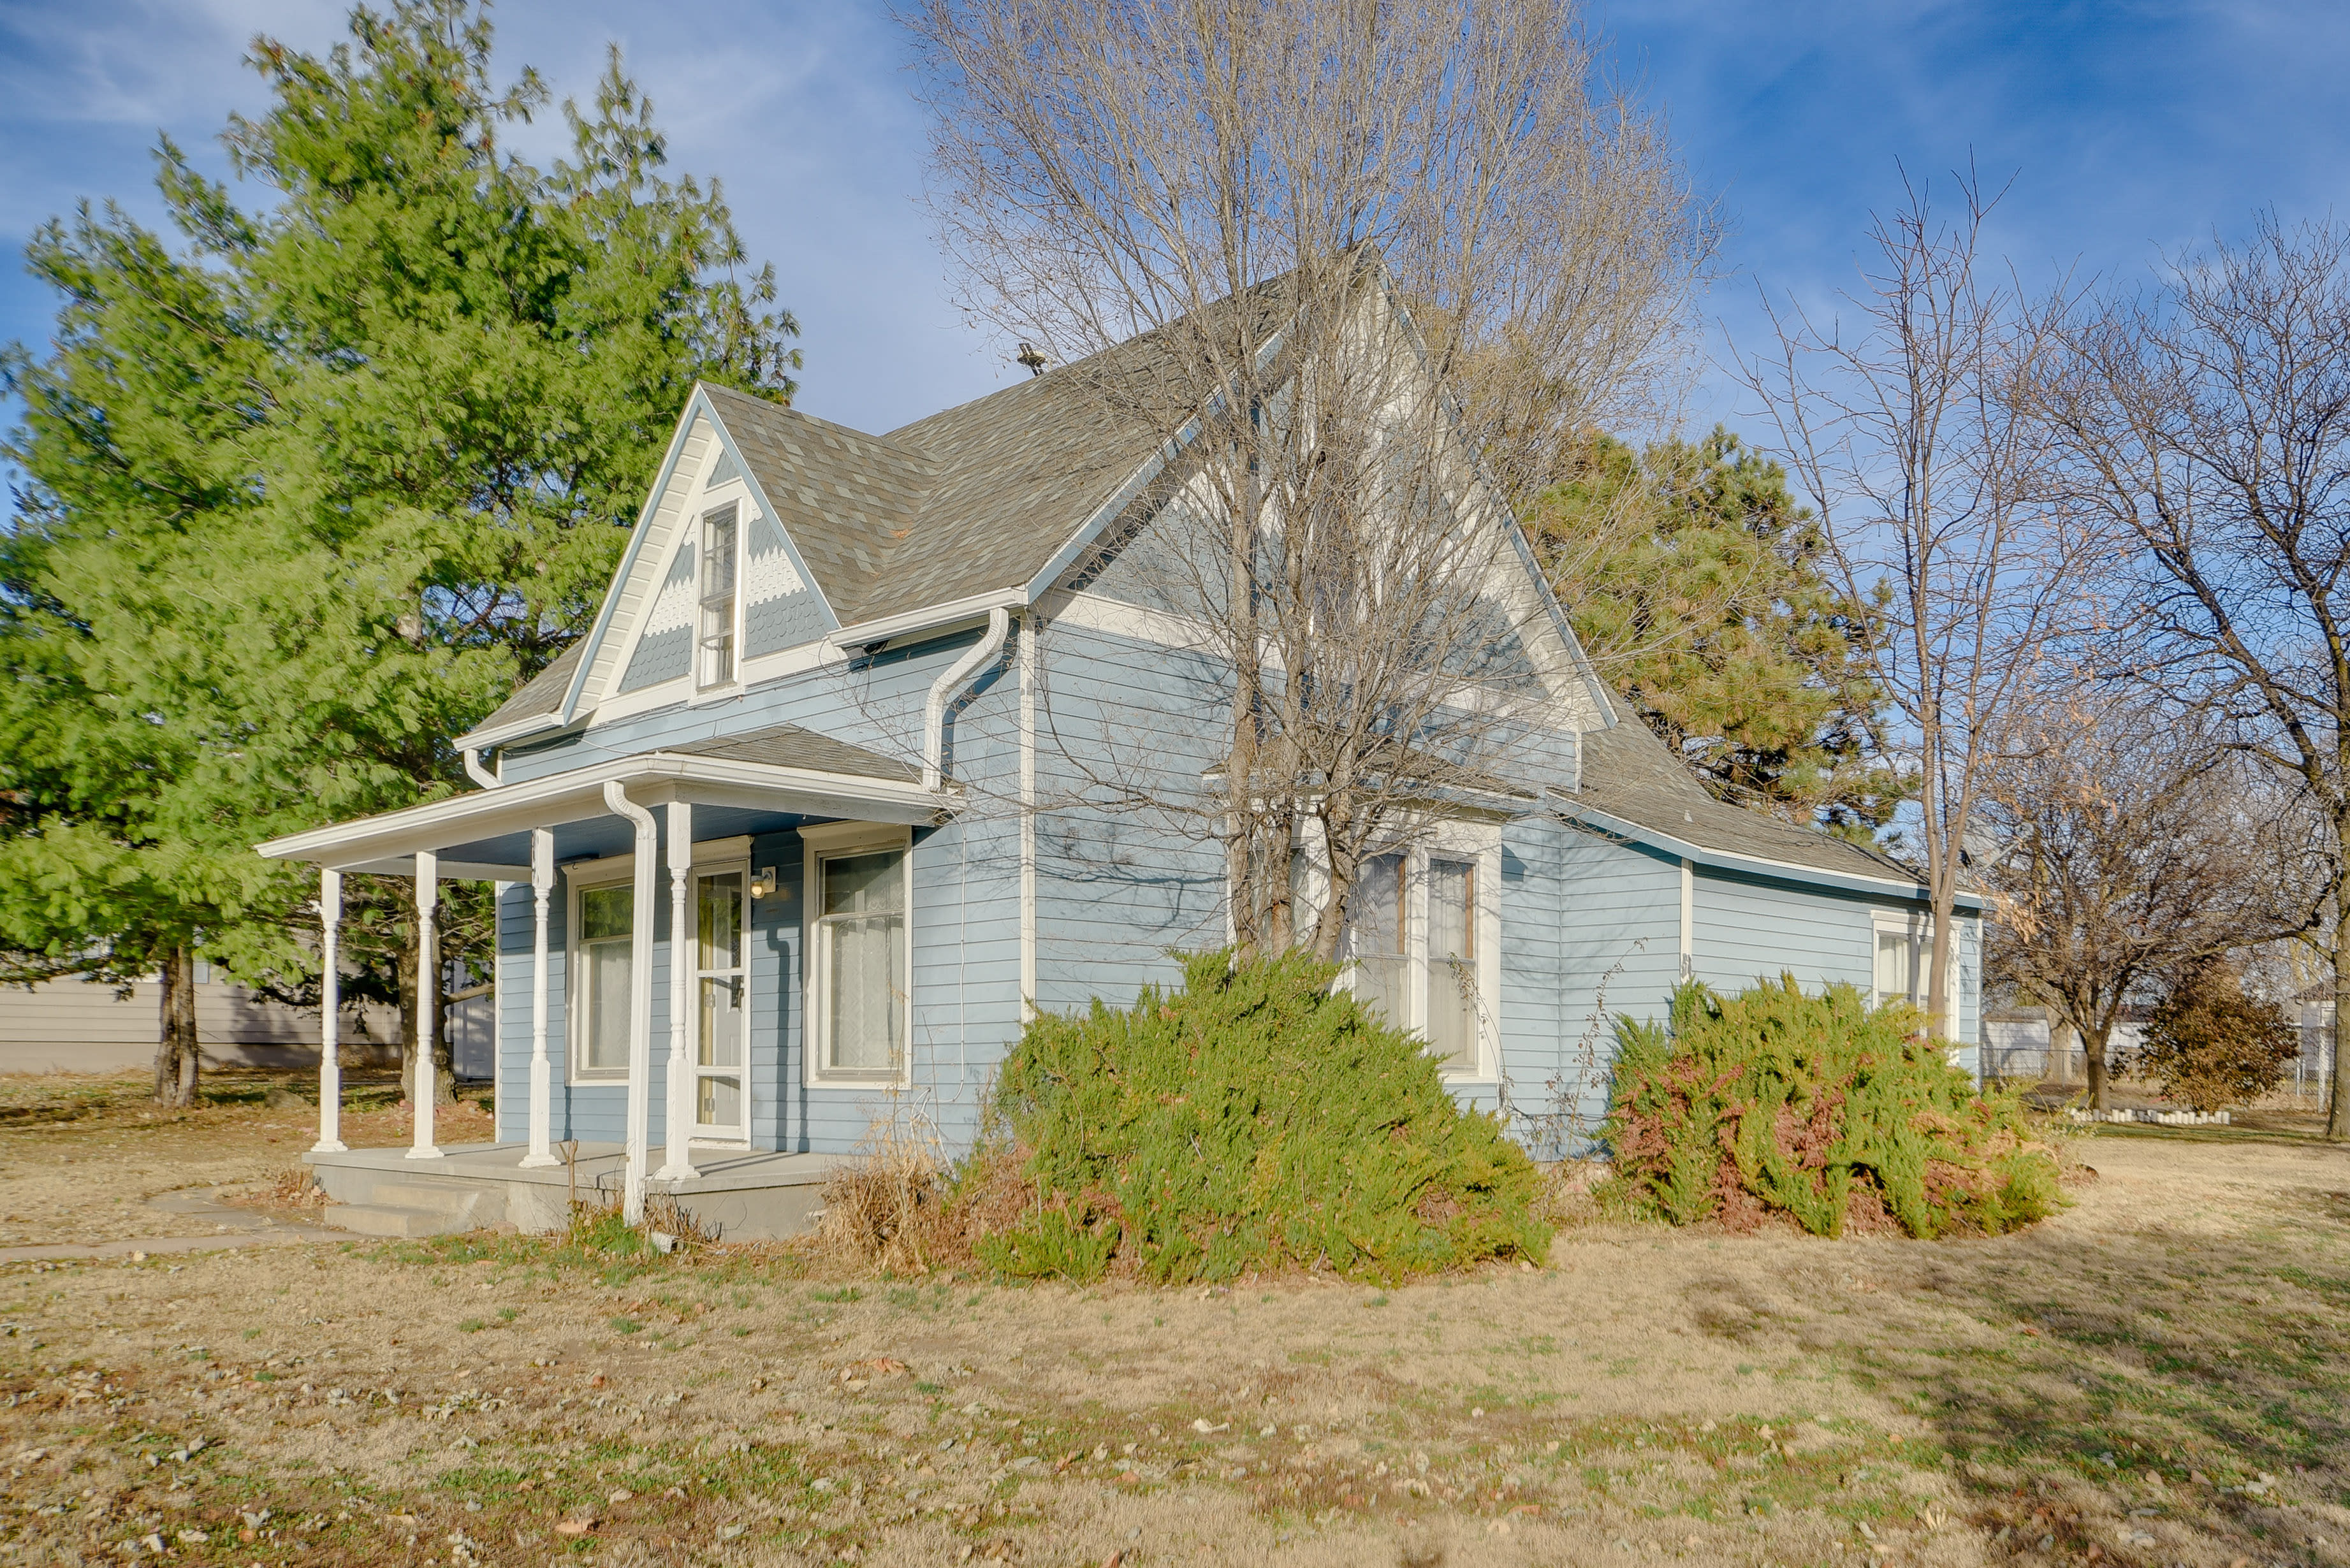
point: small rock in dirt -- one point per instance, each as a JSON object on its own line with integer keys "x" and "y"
{"x": 574, "y": 1527}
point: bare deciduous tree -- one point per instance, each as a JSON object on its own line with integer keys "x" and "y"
{"x": 2210, "y": 419}
{"x": 2132, "y": 842}
{"x": 1249, "y": 191}
{"x": 1913, "y": 433}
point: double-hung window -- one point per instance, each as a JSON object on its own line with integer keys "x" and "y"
{"x": 714, "y": 633}
{"x": 1905, "y": 953}
{"x": 859, "y": 956}
{"x": 602, "y": 954}
{"x": 1419, "y": 930}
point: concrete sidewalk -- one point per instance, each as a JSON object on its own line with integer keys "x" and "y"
{"x": 230, "y": 1227}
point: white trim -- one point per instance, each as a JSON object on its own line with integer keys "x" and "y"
{"x": 1031, "y": 656}
{"x": 577, "y": 796}
{"x": 1689, "y": 918}
{"x": 821, "y": 842}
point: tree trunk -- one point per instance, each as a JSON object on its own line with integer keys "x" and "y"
{"x": 444, "y": 1057}
{"x": 2060, "y": 1048}
{"x": 2093, "y": 1047}
{"x": 175, "y": 1049}
{"x": 409, "y": 1014}
{"x": 2337, "y": 1098}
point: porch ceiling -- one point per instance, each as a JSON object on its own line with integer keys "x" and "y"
{"x": 486, "y": 833}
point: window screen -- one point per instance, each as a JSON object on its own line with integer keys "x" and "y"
{"x": 1375, "y": 912}
{"x": 606, "y": 917}
{"x": 717, "y": 632}
{"x": 1452, "y": 962}
{"x": 862, "y": 930}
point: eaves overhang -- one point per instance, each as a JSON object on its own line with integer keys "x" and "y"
{"x": 1909, "y": 890}
{"x": 653, "y": 778}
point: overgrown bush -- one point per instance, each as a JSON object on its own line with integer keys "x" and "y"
{"x": 1252, "y": 1121}
{"x": 1822, "y": 1108}
{"x": 2209, "y": 1046}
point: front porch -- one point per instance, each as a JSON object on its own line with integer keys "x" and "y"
{"x": 655, "y": 1047}
{"x": 738, "y": 1195}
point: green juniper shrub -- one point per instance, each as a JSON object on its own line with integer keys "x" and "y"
{"x": 2209, "y": 1046}
{"x": 1820, "y": 1108}
{"x": 1251, "y": 1122}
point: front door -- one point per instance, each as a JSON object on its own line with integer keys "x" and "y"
{"x": 720, "y": 1106}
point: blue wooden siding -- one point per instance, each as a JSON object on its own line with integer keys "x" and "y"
{"x": 1747, "y": 929}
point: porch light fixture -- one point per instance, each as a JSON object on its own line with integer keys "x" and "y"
{"x": 763, "y": 882}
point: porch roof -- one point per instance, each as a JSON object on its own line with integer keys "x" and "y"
{"x": 484, "y": 834}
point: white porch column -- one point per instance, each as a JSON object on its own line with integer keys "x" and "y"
{"x": 677, "y": 1164}
{"x": 330, "y": 1002}
{"x": 640, "y": 999}
{"x": 420, "y": 1085}
{"x": 542, "y": 1086}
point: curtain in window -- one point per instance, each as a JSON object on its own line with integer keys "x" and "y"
{"x": 605, "y": 915}
{"x": 863, "y": 927}
{"x": 1897, "y": 966}
{"x": 1375, "y": 939}
{"x": 1452, "y": 962}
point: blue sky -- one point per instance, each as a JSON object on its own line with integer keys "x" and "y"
{"x": 2130, "y": 129}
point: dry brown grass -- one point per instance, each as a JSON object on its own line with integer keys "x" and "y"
{"x": 1648, "y": 1396}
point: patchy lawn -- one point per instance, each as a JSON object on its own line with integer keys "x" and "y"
{"x": 2157, "y": 1375}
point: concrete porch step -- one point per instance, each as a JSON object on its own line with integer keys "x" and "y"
{"x": 390, "y": 1219}
{"x": 426, "y": 1195}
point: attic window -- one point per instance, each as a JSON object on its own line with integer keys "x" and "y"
{"x": 714, "y": 640}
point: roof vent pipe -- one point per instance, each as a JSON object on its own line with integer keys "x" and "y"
{"x": 934, "y": 712}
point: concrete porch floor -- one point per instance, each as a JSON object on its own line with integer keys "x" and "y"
{"x": 741, "y": 1195}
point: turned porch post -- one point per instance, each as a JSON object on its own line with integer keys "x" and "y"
{"x": 677, "y": 1162}
{"x": 330, "y": 1000}
{"x": 421, "y": 1082}
{"x": 542, "y": 1076}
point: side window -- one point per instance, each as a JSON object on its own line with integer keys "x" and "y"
{"x": 602, "y": 952}
{"x": 860, "y": 963}
{"x": 715, "y": 635}
{"x": 1377, "y": 940}
{"x": 1452, "y": 962}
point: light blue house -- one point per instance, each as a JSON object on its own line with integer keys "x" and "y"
{"x": 835, "y": 719}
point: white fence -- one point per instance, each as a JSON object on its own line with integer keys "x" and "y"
{"x": 2015, "y": 1049}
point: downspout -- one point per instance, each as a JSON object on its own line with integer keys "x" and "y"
{"x": 475, "y": 770}
{"x": 934, "y": 711}
{"x": 640, "y": 1000}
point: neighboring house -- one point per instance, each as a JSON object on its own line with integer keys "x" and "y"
{"x": 857, "y": 679}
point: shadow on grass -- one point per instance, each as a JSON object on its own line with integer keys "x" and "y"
{"x": 2164, "y": 1369}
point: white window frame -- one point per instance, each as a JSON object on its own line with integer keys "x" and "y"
{"x": 832, "y": 841}
{"x": 724, "y": 856}
{"x": 735, "y": 493}
{"x": 1478, "y": 845}
{"x": 1917, "y": 924}
{"x": 585, "y": 877}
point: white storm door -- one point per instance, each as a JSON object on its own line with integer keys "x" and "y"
{"x": 721, "y": 1101}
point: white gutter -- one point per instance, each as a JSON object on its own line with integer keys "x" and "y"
{"x": 934, "y": 711}
{"x": 866, "y": 632}
{"x": 479, "y": 739}
{"x": 475, "y": 770}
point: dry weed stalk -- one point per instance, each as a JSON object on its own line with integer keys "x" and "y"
{"x": 890, "y": 1205}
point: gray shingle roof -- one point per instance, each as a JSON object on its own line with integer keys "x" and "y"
{"x": 542, "y": 693}
{"x": 789, "y": 746}
{"x": 1629, "y": 774}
